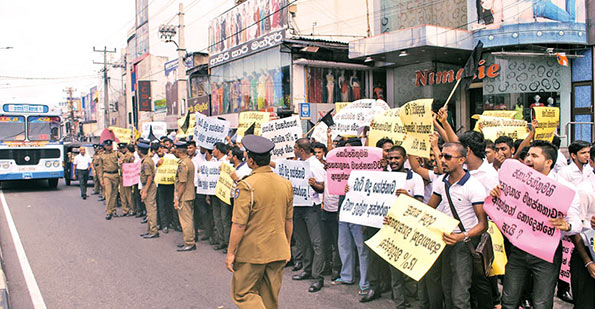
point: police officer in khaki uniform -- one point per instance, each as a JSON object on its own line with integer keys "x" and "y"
{"x": 148, "y": 193}
{"x": 126, "y": 192}
{"x": 261, "y": 230}
{"x": 111, "y": 178}
{"x": 184, "y": 196}
{"x": 99, "y": 172}
{"x": 95, "y": 164}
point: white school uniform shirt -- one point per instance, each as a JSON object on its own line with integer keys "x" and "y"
{"x": 414, "y": 184}
{"x": 487, "y": 176}
{"x": 196, "y": 160}
{"x": 560, "y": 162}
{"x": 82, "y": 162}
{"x": 243, "y": 170}
{"x": 572, "y": 174}
{"x": 428, "y": 188}
{"x": 317, "y": 172}
{"x": 465, "y": 194}
{"x": 586, "y": 192}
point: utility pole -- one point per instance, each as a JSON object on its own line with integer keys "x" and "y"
{"x": 105, "y": 83}
{"x": 69, "y": 91}
{"x": 181, "y": 65}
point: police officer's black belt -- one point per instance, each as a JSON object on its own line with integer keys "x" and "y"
{"x": 110, "y": 172}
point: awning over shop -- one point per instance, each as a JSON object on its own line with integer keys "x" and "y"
{"x": 426, "y": 42}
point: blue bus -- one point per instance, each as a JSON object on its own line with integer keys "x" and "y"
{"x": 30, "y": 143}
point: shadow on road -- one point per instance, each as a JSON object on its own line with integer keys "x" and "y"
{"x": 34, "y": 185}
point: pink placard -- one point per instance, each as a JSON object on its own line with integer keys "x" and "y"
{"x": 527, "y": 200}
{"x": 130, "y": 173}
{"x": 341, "y": 161}
{"x": 567, "y": 247}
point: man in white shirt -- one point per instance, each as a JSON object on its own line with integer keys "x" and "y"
{"x": 467, "y": 195}
{"x": 82, "y": 162}
{"x": 541, "y": 157}
{"x": 221, "y": 211}
{"x": 307, "y": 219}
{"x": 582, "y": 266}
{"x": 578, "y": 168}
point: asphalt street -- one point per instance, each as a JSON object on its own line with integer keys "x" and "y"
{"x": 81, "y": 260}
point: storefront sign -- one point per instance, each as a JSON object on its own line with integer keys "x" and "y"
{"x": 411, "y": 241}
{"x": 249, "y": 48}
{"x": 144, "y": 96}
{"x": 199, "y": 104}
{"x": 428, "y": 78}
{"x": 305, "y": 110}
{"x": 527, "y": 201}
{"x": 283, "y": 132}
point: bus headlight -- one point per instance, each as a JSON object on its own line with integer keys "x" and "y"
{"x": 48, "y": 163}
{"x": 56, "y": 163}
{"x": 5, "y": 165}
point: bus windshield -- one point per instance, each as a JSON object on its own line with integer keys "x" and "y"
{"x": 44, "y": 128}
{"x": 12, "y": 128}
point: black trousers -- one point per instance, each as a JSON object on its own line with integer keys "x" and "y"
{"x": 330, "y": 226}
{"x": 307, "y": 227}
{"x": 165, "y": 206}
{"x": 83, "y": 177}
{"x": 583, "y": 285}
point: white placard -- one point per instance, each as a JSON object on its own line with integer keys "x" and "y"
{"x": 208, "y": 175}
{"x": 370, "y": 196}
{"x": 297, "y": 172}
{"x": 283, "y": 132}
{"x": 208, "y": 131}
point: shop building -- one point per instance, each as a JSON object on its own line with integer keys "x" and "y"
{"x": 266, "y": 55}
{"x": 423, "y": 47}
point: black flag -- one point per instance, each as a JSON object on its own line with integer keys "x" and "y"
{"x": 328, "y": 119}
{"x": 186, "y": 123}
{"x": 151, "y": 136}
{"x": 250, "y": 129}
{"x": 472, "y": 64}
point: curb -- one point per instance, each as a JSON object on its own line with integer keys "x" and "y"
{"x": 4, "y": 301}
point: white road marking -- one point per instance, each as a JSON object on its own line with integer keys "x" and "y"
{"x": 34, "y": 291}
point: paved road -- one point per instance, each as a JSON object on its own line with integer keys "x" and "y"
{"x": 81, "y": 260}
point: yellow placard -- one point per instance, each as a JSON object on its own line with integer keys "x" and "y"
{"x": 166, "y": 172}
{"x": 248, "y": 118}
{"x": 416, "y": 117}
{"x": 225, "y": 183}
{"x": 340, "y": 105}
{"x": 494, "y": 127}
{"x": 387, "y": 125}
{"x": 500, "y": 260}
{"x": 122, "y": 134}
{"x": 548, "y": 119}
{"x": 190, "y": 130}
{"x": 497, "y": 113}
{"x": 412, "y": 239}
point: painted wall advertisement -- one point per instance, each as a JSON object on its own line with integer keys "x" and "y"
{"x": 171, "y": 87}
{"x": 511, "y": 22}
{"x": 247, "y": 28}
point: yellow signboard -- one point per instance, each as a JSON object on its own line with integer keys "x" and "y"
{"x": 190, "y": 130}
{"x": 500, "y": 260}
{"x": 248, "y": 118}
{"x": 497, "y": 113}
{"x": 411, "y": 241}
{"x": 122, "y": 134}
{"x": 166, "y": 172}
{"x": 225, "y": 183}
{"x": 548, "y": 119}
{"x": 494, "y": 127}
{"x": 387, "y": 125}
{"x": 416, "y": 117}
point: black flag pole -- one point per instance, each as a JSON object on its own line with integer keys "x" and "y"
{"x": 468, "y": 71}
{"x": 327, "y": 119}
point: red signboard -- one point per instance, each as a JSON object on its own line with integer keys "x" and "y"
{"x": 144, "y": 95}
